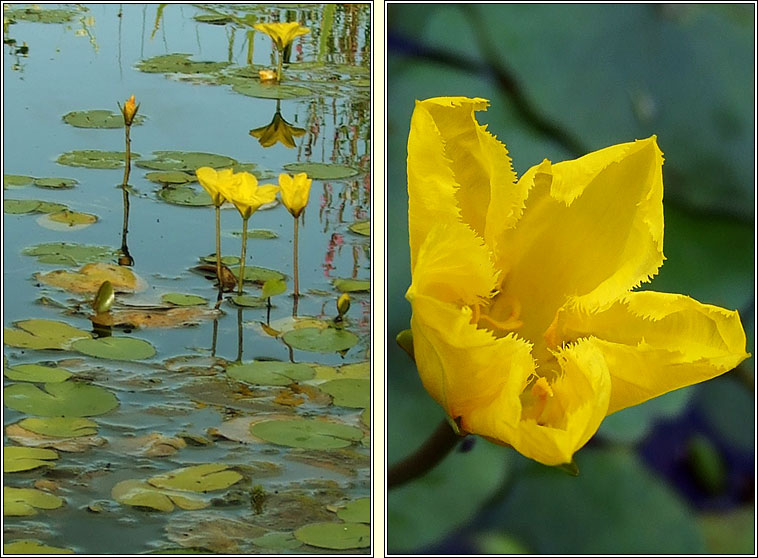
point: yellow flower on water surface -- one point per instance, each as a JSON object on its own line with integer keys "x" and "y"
{"x": 278, "y": 130}
{"x": 210, "y": 179}
{"x": 129, "y": 110}
{"x": 267, "y": 75}
{"x": 525, "y": 326}
{"x": 243, "y": 191}
{"x": 295, "y": 191}
{"x": 282, "y": 33}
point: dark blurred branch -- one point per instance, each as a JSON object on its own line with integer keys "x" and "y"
{"x": 434, "y": 450}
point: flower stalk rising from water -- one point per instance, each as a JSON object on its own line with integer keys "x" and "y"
{"x": 294, "y": 193}
{"x": 129, "y": 110}
{"x": 210, "y": 179}
{"x": 526, "y": 326}
{"x": 282, "y": 34}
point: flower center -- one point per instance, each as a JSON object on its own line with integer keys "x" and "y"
{"x": 489, "y": 316}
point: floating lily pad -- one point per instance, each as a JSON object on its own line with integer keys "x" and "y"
{"x": 69, "y": 254}
{"x": 198, "y": 478}
{"x": 277, "y": 541}
{"x": 270, "y": 373}
{"x": 349, "y": 392}
{"x": 335, "y": 536}
{"x": 115, "y": 348}
{"x": 255, "y": 274}
{"x": 43, "y": 334}
{"x": 185, "y": 195}
{"x": 361, "y": 227}
{"x": 63, "y": 427}
{"x": 353, "y": 370}
{"x": 357, "y": 511}
{"x": 270, "y": 90}
{"x": 317, "y": 340}
{"x": 55, "y": 183}
{"x": 37, "y": 373}
{"x": 25, "y": 459}
{"x": 178, "y": 63}
{"x": 179, "y": 299}
{"x": 16, "y": 180}
{"x": 366, "y": 416}
{"x": 94, "y": 159}
{"x": 67, "y": 220}
{"x": 248, "y": 301}
{"x": 352, "y": 285}
{"x": 186, "y": 161}
{"x": 30, "y": 439}
{"x": 18, "y": 207}
{"x": 170, "y": 177}
{"x": 39, "y": 15}
{"x": 257, "y": 233}
{"x": 98, "y": 119}
{"x": 26, "y": 501}
{"x": 28, "y": 546}
{"x": 91, "y": 276}
{"x": 213, "y": 19}
{"x": 322, "y": 171}
{"x": 273, "y": 287}
{"x": 65, "y": 399}
{"x": 226, "y": 260}
{"x": 307, "y": 433}
{"x": 141, "y": 494}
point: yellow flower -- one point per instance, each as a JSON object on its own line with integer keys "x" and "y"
{"x": 267, "y": 75}
{"x": 525, "y": 326}
{"x": 279, "y": 130}
{"x": 129, "y": 110}
{"x": 210, "y": 179}
{"x": 282, "y": 33}
{"x": 243, "y": 191}
{"x": 295, "y": 191}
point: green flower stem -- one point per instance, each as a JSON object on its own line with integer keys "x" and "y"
{"x": 294, "y": 259}
{"x": 241, "y": 277}
{"x": 279, "y": 68}
{"x": 440, "y": 443}
{"x": 218, "y": 247}
{"x": 128, "y": 156}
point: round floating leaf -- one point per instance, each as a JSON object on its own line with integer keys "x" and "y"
{"x": 69, "y": 254}
{"x": 26, "y": 501}
{"x": 49, "y": 207}
{"x": 11, "y": 180}
{"x": 322, "y": 171}
{"x": 19, "y": 207}
{"x": 349, "y": 392}
{"x": 65, "y": 399}
{"x": 94, "y": 159}
{"x": 307, "y": 433}
{"x": 317, "y": 340}
{"x": 198, "y": 478}
{"x": 277, "y": 541}
{"x": 185, "y": 195}
{"x": 361, "y": 227}
{"x": 62, "y": 427}
{"x": 257, "y": 233}
{"x": 352, "y": 285}
{"x": 248, "y": 301}
{"x": 28, "y": 546}
{"x": 55, "y": 182}
{"x": 25, "y": 459}
{"x": 226, "y": 260}
{"x": 270, "y": 373}
{"x": 178, "y": 63}
{"x": 115, "y": 348}
{"x": 183, "y": 299}
{"x": 67, "y": 220}
{"x": 38, "y": 15}
{"x": 90, "y": 278}
{"x": 98, "y": 119}
{"x": 186, "y": 161}
{"x": 37, "y": 373}
{"x": 335, "y": 536}
{"x": 141, "y": 494}
{"x": 357, "y": 511}
{"x": 170, "y": 177}
{"x": 270, "y": 90}
{"x": 366, "y": 416}
{"x": 43, "y": 334}
{"x": 273, "y": 287}
{"x": 213, "y": 19}
{"x": 255, "y": 274}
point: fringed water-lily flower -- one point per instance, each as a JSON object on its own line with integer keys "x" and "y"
{"x": 295, "y": 191}
{"x": 525, "y": 326}
{"x": 282, "y": 33}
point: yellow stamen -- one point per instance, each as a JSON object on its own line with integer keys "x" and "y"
{"x": 541, "y": 389}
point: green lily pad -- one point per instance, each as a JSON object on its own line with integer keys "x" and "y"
{"x": 98, "y": 119}
{"x": 36, "y": 373}
{"x": 349, "y": 392}
{"x": 277, "y": 541}
{"x": 178, "y": 63}
{"x": 186, "y": 161}
{"x": 61, "y": 427}
{"x": 69, "y": 254}
{"x": 248, "y": 301}
{"x": 115, "y": 348}
{"x": 366, "y": 416}
{"x": 94, "y": 159}
{"x": 352, "y": 285}
{"x": 26, "y": 501}
{"x": 270, "y": 90}
{"x": 357, "y": 511}
{"x": 43, "y": 334}
{"x": 25, "y": 459}
{"x": 361, "y": 227}
{"x": 273, "y": 287}
{"x": 185, "y": 195}
{"x": 170, "y": 177}
{"x": 258, "y": 233}
{"x": 141, "y": 494}
{"x": 18, "y": 207}
{"x": 255, "y": 274}
{"x": 67, "y": 220}
{"x": 39, "y": 15}
{"x": 64, "y": 399}
{"x": 55, "y": 183}
{"x": 28, "y": 546}
{"x": 317, "y": 340}
{"x": 322, "y": 171}
{"x": 270, "y": 373}
{"x": 17, "y": 180}
{"x": 307, "y": 433}
{"x": 198, "y": 478}
{"x": 335, "y": 536}
{"x": 179, "y": 299}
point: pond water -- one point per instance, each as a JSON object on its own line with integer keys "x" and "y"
{"x": 274, "y": 458}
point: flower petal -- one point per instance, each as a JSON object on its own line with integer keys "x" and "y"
{"x": 657, "y": 342}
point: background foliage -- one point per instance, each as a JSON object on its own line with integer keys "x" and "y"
{"x": 674, "y": 475}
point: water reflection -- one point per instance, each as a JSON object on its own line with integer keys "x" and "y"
{"x": 277, "y": 131}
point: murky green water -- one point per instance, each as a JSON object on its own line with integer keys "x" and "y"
{"x": 181, "y": 407}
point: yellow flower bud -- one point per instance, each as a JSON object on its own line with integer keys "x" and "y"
{"x": 343, "y": 305}
{"x": 129, "y": 110}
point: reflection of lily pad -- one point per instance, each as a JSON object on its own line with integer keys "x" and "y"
{"x": 255, "y": 274}
{"x": 335, "y": 536}
{"x": 198, "y": 478}
{"x": 269, "y": 90}
{"x": 67, "y": 220}
{"x": 38, "y": 15}
{"x": 26, "y": 501}
{"x": 28, "y": 546}
{"x": 186, "y": 161}
{"x": 349, "y": 392}
{"x": 327, "y": 340}
{"x": 55, "y": 182}
{"x": 170, "y": 177}
{"x": 42, "y": 334}
{"x": 69, "y": 254}
{"x": 270, "y": 373}
{"x": 115, "y": 348}
{"x": 307, "y": 433}
{"x": 17, "y": 207}
{"x": 62, "y": 427}
{"x": 361, "y": 227}
{"x": 178, "y": 63}
{"x": 185, "y": 195}
{"x": 94, "y": 159}
{"x": 352, "y": 285}
{"x": 356, "y": 511}
{"x": 91, "y": 276}
{"x": 65, "y": 399}
{"x": 98, "y": 119}
{"x": 36, "y": 373}
{"x": 322, "y": 171}
{"x": 179, "y": 299}
{"x": 25, "y": 459}
{"x": 141, "y": 494}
